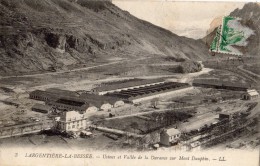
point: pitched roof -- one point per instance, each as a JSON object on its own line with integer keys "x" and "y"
{"x": 208, "y": 81}
{"x": 62, "y": 92}
{"x": 172, "y": 131}
{"x": 53, "y": 94}
{"x": 41, "y": 107}
{"x": 252, "y": 92}
{"x": 129, "y": 83}
{"x": 218, "y": 82}
{"x": 101, "y": 99}
{"x": 75, "y": 107}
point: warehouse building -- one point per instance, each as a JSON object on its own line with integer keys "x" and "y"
{"x": 124, "y": 85}
{"x": 51, "y": 94}
{"x": 150, "y": 92}
{"x": 73, "y": 103}
{"x": 219, "y": 84}
{"x": 42, "y": 108}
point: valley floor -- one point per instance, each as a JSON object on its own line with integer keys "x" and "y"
{"x": 15, "y": 104}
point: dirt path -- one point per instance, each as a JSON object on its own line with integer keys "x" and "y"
{"x": 73, "y": 70}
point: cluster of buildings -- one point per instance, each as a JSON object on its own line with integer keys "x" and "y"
{"x": 248, "y": 94}
{"x": 76, "y": 108}
{"x": 68, "y": 100}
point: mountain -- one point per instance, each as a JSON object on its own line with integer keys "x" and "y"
{"x": 250, "y": 15}
{"x": 40, "y": 35}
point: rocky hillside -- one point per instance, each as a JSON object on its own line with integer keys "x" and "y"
{"x": 39, "y": 35}
{"x": 250, "y": 15}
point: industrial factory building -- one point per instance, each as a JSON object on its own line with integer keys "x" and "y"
{"x": 124, "y": 85}
{"x": 219, "y": 84}
{"x": 51, "y": 94}
{"x": 69, "y": 100}
{"x": 148, "y": 92}
{"x": 42, "y": 108}
{"x": 73, "y": 103}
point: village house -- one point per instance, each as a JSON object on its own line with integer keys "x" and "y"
{"x": 169, "y": 137}
{"x": 250, "y": 94}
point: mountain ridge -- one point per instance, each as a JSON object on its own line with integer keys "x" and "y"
{"x": 39, "y": 35}
{"x": 250, "y": 15}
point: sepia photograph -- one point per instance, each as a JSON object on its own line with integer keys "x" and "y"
{"x": 129, "y": 82}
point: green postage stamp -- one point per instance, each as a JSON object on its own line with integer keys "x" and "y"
{"x": 231, "y": 37}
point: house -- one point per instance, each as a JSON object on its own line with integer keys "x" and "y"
{"x": 42, "y": 108}
{"x": 169, "y": 137}
{"x": 71, "y": 121}
{"x": 250, "y": 94}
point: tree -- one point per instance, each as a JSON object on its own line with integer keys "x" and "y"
{"x": 179, "y": 69}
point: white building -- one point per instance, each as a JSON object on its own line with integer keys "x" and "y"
{"x": 104, "y": 103}
{"x": 170, "y": 136}
{"x": 250, "y": 94}
{"x": 72, "y": 121}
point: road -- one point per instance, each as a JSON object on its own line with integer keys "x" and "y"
{"x": 116, "y": 131}
{"x": 73, "y": 70}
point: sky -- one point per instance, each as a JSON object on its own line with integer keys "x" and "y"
{"x": 190, "y": 19}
